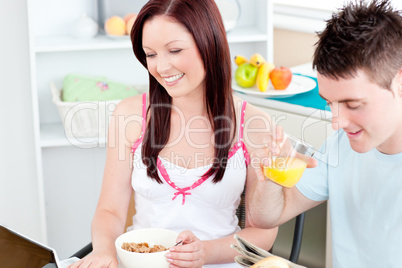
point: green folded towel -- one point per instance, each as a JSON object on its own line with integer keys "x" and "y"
{"x": 86, "y": 88}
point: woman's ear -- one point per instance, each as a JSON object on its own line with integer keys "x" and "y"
{"x": 399, "y": 82}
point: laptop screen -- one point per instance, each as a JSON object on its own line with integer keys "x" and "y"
{"x": 17, "y": 251}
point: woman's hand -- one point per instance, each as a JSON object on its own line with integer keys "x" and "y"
{"x": 97, "y": 260}
{"x": 190, "y": 254}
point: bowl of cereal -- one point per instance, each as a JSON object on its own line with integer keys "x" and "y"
{"x": 145, "y": 247}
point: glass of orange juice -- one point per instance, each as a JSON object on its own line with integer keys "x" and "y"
{"x": 288, "y": 164}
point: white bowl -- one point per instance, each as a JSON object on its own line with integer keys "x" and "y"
{"x": 152, "y": 236}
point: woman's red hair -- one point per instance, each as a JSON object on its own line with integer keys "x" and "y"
{"x": 204, "y": 22}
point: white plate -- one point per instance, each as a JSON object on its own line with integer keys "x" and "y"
{"x": 299, "y": 84}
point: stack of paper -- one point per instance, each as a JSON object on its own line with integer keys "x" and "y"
{"x": 251, "y": 254}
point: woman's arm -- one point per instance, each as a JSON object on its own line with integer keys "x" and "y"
{"x": 111, "y": 212}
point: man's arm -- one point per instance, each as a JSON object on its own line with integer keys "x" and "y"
{"x": 268, "y": 204}
{"x": 271, "y": 205}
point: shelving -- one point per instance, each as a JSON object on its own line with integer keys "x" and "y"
{"x": 103, "y": 42}
{"x": 52, "y": 135}
{"x": 75, "y": 55}
{"x": 67, "y": 43}
{"x": 247, "y": 34}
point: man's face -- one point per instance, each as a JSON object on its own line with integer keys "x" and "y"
{"x": 370, "y": 115}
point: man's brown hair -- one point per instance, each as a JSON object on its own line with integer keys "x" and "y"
{"x": 361, "y": 36}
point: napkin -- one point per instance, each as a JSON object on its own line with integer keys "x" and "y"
{"x": 251, "y": 254}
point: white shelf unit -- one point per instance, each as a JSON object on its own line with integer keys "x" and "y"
{"x": 64, "y": 43}
{"x": 70, "y": 172}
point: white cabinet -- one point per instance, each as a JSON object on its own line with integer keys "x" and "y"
{"x": 71, "y": 176}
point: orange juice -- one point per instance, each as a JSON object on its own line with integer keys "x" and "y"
{"x": 285, "y": 171}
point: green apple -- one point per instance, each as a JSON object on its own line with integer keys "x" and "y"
{"x": 246, "y": 75}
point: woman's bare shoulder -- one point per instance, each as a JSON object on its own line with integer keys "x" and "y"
{"x": 257, "y": 124}
{"x": 129, "y": 106}
{"x": 127, "y": 117}
{"x": 252, "y": 112}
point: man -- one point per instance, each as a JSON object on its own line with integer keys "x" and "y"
{"x": 359, "y": 62}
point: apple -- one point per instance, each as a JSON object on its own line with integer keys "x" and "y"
{"x": 128, "y": 16}
{"x": 129, "y": 19}
{"x": 130, "y": 23}
{"x": 115, "y": 26}
{"x": 280, "y": 77}
{"x": 246, "y": 75}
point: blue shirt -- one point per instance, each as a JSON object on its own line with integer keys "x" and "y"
{"x": 365, "y": 200}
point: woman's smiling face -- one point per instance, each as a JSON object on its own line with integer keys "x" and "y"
{"x": 173, "y": 57}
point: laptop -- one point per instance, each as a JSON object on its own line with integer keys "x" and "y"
{"x": 18, "y": 251}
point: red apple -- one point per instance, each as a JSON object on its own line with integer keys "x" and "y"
{"x": 280, "y": 77}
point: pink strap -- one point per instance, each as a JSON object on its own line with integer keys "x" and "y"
{"x": 144, "y": 112}
{"x": 185, "y": 191}
{"x": 243, "y": 112}
{"x": 143, "y": 123}
{"x": 241, "y": 127}
{"x": 240, "y": 144}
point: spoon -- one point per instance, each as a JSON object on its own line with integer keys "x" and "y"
{"x": 178, "y": 243}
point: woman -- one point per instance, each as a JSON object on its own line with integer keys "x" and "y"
{"x": 181, "y": 146}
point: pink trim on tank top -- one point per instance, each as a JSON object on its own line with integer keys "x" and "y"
{"x": 180, "y": 191}
{"x": 185, "y": 191}
{"x": 143, "y": 124}
{"x": 240, "y": 144}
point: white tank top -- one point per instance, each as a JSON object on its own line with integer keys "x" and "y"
{"x": 188, "y": 200}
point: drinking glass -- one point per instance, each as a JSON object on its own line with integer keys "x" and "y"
{"x": 289, "y": 162}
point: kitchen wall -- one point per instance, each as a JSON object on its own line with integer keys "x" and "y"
{"x": 19, "y": 195}
{"x": 293, "y": 48}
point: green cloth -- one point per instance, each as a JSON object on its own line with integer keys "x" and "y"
{"x": 308, "y": 99}
{"x": 87, "y": 88}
